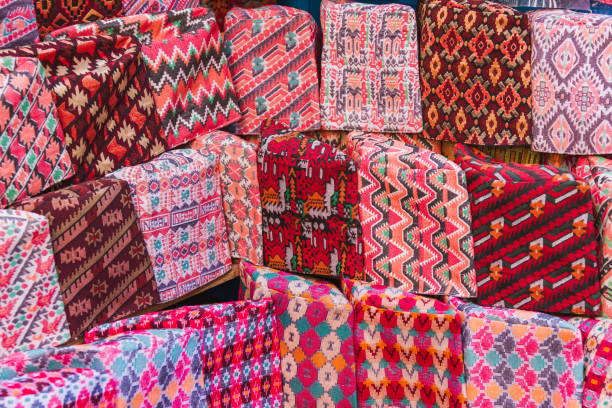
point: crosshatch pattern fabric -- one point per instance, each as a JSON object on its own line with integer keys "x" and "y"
{"x": 185, "y": 65}
{"x": 133, "y": 7}
{"x": 572, "y": 82}
{"x": 240, "y": 188}
{"x": 597, "y": 171}
{"x": 475, "y": 65}
{"x": 271, "y": 54}
{"x": 407, "y": 347}
{"x": 535, "y": 243}
{"x": 415, "y": 215}
{"x": 240, "y": 351}
{"x": 32, "y": 313}
{"x": 33, "y": 155}
{"x": 520, "y": 358}
{"x": 103, "y": 267}
{"x": 55, "y": 14}
{"x": 310, "y": 207}
{"x": 369, "y": 68}
{"x": 316, "y": 336}
{"x": 17, "y": 23}
{"x": 177, "y": 198}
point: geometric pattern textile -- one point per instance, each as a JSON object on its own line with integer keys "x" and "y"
{"x": 516, "y": 358}
{"x": 339, "y": 140}
{"x": 415, "y": 216}
{"x": 370, "y": 68}
{"x": 103, "y": 268}
{"x": 240, "y": 188}
{"x": 507, "y": 154}
{"x": 185, "y": 65}
{"x": 597, "y": 171}
{"x": 55, "y": 14}
{"x": 475, "y": 72}
{"x": 222, "y": 7}
{"x": 33, "y": 155}
{"x": 316, "y": 336}
{"x": 32, "y": 312}
{"x": 310, "y": 210}
{"x": 598, "y": 366}
{"x": 17, "y": 23}
{"x": 133, "y": 7}
{"x": 535, "y": 243}
{"x": 572, "y": 82}
{"x": 240, "y": 351}
{"x": 407, "y": 349}
{"x": 177, "y": 198}
{"x": 271, "y": 55}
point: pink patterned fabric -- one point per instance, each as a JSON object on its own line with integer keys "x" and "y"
{"x": 131, "y": 7}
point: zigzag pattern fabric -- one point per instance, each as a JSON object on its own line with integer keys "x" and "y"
{"x": 241, "y": 354}
{"x": 271, "y": 54}
{"x": 516, "y": 358}
{"x": 507, "y": 154}
{"x": 240, "y": 188}
{"x": 310, "y": 207}
{"x": 369, "y": 68}
{"x": 415, "y": 215}
{"x": 407, "y": 347}
{"x": 177, "y": 198}
{"x": 17, "y": 23}
{"x": 572, "y": 82}
{"x": 33, "y": 156}
{"x": 535, "y": 244}
{"x": 52, "y": 15}
{"x": 475, "y": 64}
{"x": 316, "y": 336}
{"x": 133, "y": 7}
{"x": 103, "y": 268}
{"x": 32, "y": 307}
{"x": 186, "y": 67}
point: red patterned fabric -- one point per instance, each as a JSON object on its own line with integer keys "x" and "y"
{"x": 53, "y": 14}
{"x": 535, "y": 243}
{"x": 222, "y": 7}
{"x": 133, "y": 7}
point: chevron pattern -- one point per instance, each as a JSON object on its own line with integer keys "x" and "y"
{"x": 535, "y": 245}
{"x": 186, "y": 67}
{"x": 414, "y": 212}
{"x": 271, "y": 53}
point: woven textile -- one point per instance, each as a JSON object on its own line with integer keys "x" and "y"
{"x": 33, "y": 156}
{"x": 535, "y": 245}
{"x": 222, "y": 7}
{"x": 407, "y": 349}
{"x": 32, "y": 312}
{"x": 186, "y": 67}
{"x": 240, "y": 351}
{"x": 369, "y": 68}
{"x": 598, "y": 172}
{"x": 103, "y": 268}
{"x": 240, "y": 188}
{"x": 271, "y": 54}
{"x": 310, "y": 207}
{"x": 598, "y": 364}
{"x": 475, "y": 72}
{"x": 415, "y": 214}
{"x": 519, "y": 358}
{"x": 64, "y": 388}
{"x": 55, "y": 14}
{"x": 572, "y": 82}
{"x": 508, "y": 154}
{"x": 316, "y": 336}
{"x": 133, "y": 7}
{"x": 178, "y": 204}
{"x": 17, "y": 23}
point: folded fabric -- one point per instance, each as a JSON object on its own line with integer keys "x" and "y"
{"x": 415, "y": 215}
{"x": 598, "y": 172}
{"x": 572, "y": 82}
{"x": 240, "y": 188}
{"x": 240, "y": 351}
{"x": 33, "y": 155}
{"x": 32, "y": 313}
{"x": 17, "y": 23}
{"x": 316, "y": 336}
{"x": 103, "y": 267}
{"x": 132, "y": 7}
{"x": 310, "y": 208}
{"x": 221, "y": 7}
{"x": 185, "y": 65}
{"x": 369, "y": 68}
{"x": 535, "y": 243}
{"x": 508, "y": 154}
{"x": 177, "y": 198}
{"x": 519, "y": 358}
{"x": 63, "y": 388}
{"x": 55, "y": 14}
{"x": 407, "y": 347}
{"x": 271, "y": 54}
{"x": 475, "y": 72}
